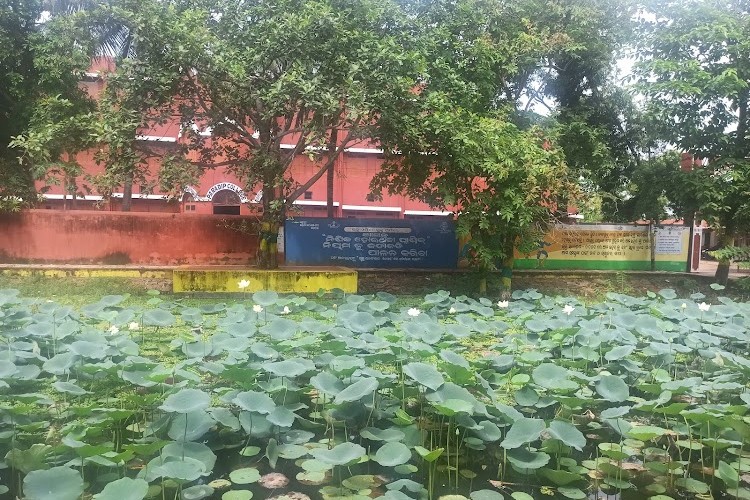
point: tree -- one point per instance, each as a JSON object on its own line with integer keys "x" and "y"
{"x": 39, "y": 95}
{"x": 274, "y": 83}
{"x": 695, "y": 73}
{"x": 600, "y": 129}
{"x": 18, "y": 78}
{"x": 455, "y": 142}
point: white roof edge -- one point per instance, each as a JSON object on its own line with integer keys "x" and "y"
{"x": 371, "y": 208}
{"x": 155, "y": 138}
{"x": 427, "y": 212}
{"x": 88, "y": 197}
{"x": 315, "y": 203}
{"x": 142, "y": 196}
{"x": 374, "y": 151}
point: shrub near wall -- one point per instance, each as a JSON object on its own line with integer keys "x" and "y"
{"x": 82, "y": 237}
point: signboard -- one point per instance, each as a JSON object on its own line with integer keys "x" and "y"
{"x": 608, "y": 246}
{"x": 381, "y": 243}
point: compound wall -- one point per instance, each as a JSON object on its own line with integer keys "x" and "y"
{"x": 79, "y": 236}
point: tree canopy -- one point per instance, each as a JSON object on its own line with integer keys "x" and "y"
{"x": 695, "y": 75}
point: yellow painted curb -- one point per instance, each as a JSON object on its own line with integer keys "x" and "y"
{"x": 88, "y": 273}
{"x": 279, "y": 280}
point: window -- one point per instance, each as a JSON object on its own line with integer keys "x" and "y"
{"x": 226, "y": 202}
{"x": 308, "y": 195}
{"x": 370, "y": 197}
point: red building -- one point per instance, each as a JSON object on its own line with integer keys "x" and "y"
{"x": 220, "y": 192}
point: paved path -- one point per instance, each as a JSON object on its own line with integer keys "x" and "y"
{"x": 708, "y": 268}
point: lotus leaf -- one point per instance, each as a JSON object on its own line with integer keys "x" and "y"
{"x": 424, "y": 374}
{"x": 124, "y": 489}
{"x": 246, "y": 475}
{"x": 553, "y": 377}
{"x": 524, "y": 430}
{"x": 728, "y": 474}
{"x": 293, "y": 367}
{"x": 392, "y": 454}
{"x": 375, "y": 434}
{"x": 237, "y": 495}
{"x": 190, "y": 426}
{"x": 197, "y": 492}
{"x": 69, "y": 388}
{"x": 58, "y": 364}
{"x": 87, "y": 349}
{"x": 568, "y": 434}
{"x": 255, "y": 424}
{"x": 158, "y": 317}
{"x": 29, "y": 460}
{"x": 356, "y": 391}
{"x": 57, "y": 483}
{"x": 281, "y": 416}
{"x": 523, "y": 458}
{"x": 327, "y": 383}
{"x": 612, "y": 388}
{"x": 362, "y": 322}
{"x": 341, "y": 454}
{"x": 186, "y": 401}
{"x": 559, "y": 477}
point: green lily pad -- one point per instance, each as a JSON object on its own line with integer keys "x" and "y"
{"x": 356, "y": 391}
{"x": 341, "y": 454}
{"x": 237, "y": 495}
{"x": 57, "y": 483}
{"x": 392, "y": 454}
{"x": 613, "y": 388}
{"x": 525, "y": 459}
{"x": 568, "y": 434}
{"x": 246, "y": 475}
{"x": 524, "y": 430}
{"x": 424, "y": 374}
{"x": 186, "y": 401}
{"x": 124, "y": 489}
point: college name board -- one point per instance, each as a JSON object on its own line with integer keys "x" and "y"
{"x": 380, "y": 243}
{"x": 226, "y": 186}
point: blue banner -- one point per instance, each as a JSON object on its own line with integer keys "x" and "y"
{"x": 384, "y": 243}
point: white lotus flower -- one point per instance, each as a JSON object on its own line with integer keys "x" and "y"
{"x": 413, "y": 312}
{"x": 286, "y": 310}
{"x": 684, "y": 306}
{"x": 568, "y": 309}
{"x": 704, "y": 307}
{"x": 452, "y": 310}
{"x": 257, "y": 308}
{"x": 503, "y": 304}
{"x": 134, "y": 326}
{"x": 243, "y": 284}
{"x": 113, "y": 330}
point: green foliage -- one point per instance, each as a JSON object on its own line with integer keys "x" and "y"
{"x": 732, "y": 253}
{"x": 478, "y": 392}
{"x": 694, "y": 65}
{"x": 312, "y": 73}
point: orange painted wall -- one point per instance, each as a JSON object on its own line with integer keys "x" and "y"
{"x": 82, "y": 236}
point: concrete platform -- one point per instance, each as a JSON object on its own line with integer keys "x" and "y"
{"x": 224, "y": 279}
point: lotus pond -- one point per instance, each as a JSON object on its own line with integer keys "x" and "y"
{"x": 357, "y": 397}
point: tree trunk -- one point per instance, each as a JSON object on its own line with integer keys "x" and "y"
{"x": 722, "y": 270}
{"x": 267, "y": 250}
{"x": 506, "y": 278}
{"x": 127, "y": 194}
{"x": 652, "y": 243}
{"x": 65, "y": 192}
{"x": 330, "y": 173}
